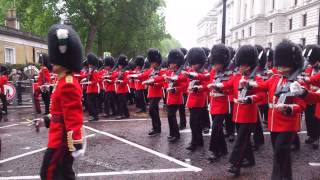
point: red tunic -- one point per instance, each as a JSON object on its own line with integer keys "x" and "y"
{"x": 3, "y": 81}
{"x": 44, "y": 76}
{"x": 242, "y": 113}
{"x": 109, "y": 82}
{"x": 154, "y": 89}
{"x": 122, "y": 87}
{"x": 198, "y": 99}
{"x": 66, "y": 111}
{"x": 277, "y": 121}
{"x": 94, "y": 86}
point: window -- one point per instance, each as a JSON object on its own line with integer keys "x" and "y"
{"x": 236, "y": 35}
{"x": 290, "y": 24}
{"x": 295, "y": 2}
{"x": 304, "y": 20}
{"x": 271, "y": 27}
{"x": 37, "y": 56}
{"x": 250, "y": 31}
{"x": 245, "y": 11}
{"x": 9, "y": 56}
{"x": 242, "y": 33}
{"x": 270, "y": 44}
{"x": 303, "y": 41}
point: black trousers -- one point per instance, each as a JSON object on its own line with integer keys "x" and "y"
{"x": 258, "y": 137}
{"x": 205, "y": 119}
{"x": 46, "y": 100}
{"x": 312, "y": 123}
{"x": 195, "y": 122}
{"x": 57, "y": 165}
{"x": 154, "y": 113}
{"x": 101, "y": 100}
{"x": 172, "y": 120}
{"x": 264, "y": 112}
{"x": 182, "y": 112}
{"x": 19, "y": 93}
{"x": 110, "y": 102}
{"x": 131, "y": 96}
{"x": 218, "y": 144}
{"x": 140, "y": 100}
{"x": 242, "y": 148}
{"x": 281, "y": 143}
{"x": 4, "y": 102}
{"x": 123, "y": 105}
{"x": 85, "y": 100}
{"x": 229, "y": 124}
{"x": 92, "y": 100}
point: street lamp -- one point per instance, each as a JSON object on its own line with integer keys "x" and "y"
{"x": 223, "y": 33}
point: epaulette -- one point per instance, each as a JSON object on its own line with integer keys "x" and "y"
{"x": 69, "y": 79}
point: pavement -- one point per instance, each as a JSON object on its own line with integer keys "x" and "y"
{"x": 121, "y": 149}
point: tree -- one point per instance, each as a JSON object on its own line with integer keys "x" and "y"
{"x": 167, "y": 44}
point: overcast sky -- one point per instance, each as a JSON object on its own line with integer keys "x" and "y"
{"x": 182, "y": 17}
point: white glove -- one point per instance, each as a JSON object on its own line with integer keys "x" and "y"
{"x": 133, "y": 76}
{"x": 218, "y": 85}
{"x": 193, "y": 74}
{"x": 243, "y": 83}
{"x": 210, "y": 86}
{"x": 174, "y": 78}
{"x": 83, "y": 80}
{"x": 253, "y": 84}
{"x": 148, "y": 81}
{"x": 296, "y": 89}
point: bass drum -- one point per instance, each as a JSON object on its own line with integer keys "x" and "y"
{"x": 10, "y": 92}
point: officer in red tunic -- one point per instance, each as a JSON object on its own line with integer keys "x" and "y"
{"x": 3, "y": 81}
{"x": 122, "y": 87}
{"x": 110, "y": 98}
{"x": 155, "y": 92}
{"x": 176, "y": 85}
{"x": 140, "y": 98}
{"x": 284, "y": 113}
{"x": 93, "y": 88}
{"x": 197, "y": 96}
{"x": 66, "y": 122}
{"x": 44, "y": 80}
{"x": 244, "y": 105}
{"x": 220, "y": 58}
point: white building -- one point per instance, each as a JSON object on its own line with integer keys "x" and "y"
{"x": 267, "y": 22}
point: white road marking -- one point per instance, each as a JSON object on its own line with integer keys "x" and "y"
{"x": 2, "y": 127}
{"x": 314, "y": 164}
{"x": 26, "y": 148}
{"x": 114, "y": 120}
{"x": 109, "y": 173}
{"x": 265, "y": 133}
{"x": 31, "y": 152}
{"x": 193, "y": 168}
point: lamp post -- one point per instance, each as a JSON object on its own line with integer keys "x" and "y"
{"x": 223, "y": 32}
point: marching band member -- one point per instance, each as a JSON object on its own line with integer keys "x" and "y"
{"x": 220, "y": 58}
{"x": 197, "y": 96}
{"x": 110, "y": 98}
{"x": 66, "y": 122}
{"x": 93, "y": 88}
{"x": 44, "y": 80}
{"x": 245, "y": 101}
{"x": 176, "y": 86}
{"x": 284, "y": 111}
{"x": 122, "y": 87}
{"x": 140, "y": 98}
{"x": 155, "y": 92}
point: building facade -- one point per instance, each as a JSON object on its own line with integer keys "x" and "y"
{"x": 267, "y": 22}
{"x": 18, "y": 47}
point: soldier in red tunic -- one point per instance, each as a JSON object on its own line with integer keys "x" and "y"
{"x": 140, "y": 98}
{"x": 245, "y": 109}
{"x": 44, "y": 80}
{"x": 220, "y": 58}
{"x": 284, "y": 112}
{"x": 66, "y": 122}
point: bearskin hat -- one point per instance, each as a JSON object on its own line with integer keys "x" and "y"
{"x": 154, "y": 56}
{"x": 85, "y": 63}
{"x": 184, "y": 51}
{"x": 65, "y": 47}
{"x": 175, "y": 56}
{"x": 263, "y": 59}
{"x": 196, "y": 55}
{"x": 123, "y": 60}
{"x": 92, "y": 60}
{"x": 269, "y": 54}
{"x": 139, "y": 61}
{"x": 44, "y": 60}
{"x": 108, "y": 61}
{"x": 220, "y": 54}
{"x": 246, "y": 55}
{"x": 206, "y": 51}
{"x": 288, "y": 54}
{"x": 315, "y": 54}
{"x": 3, "y": 70}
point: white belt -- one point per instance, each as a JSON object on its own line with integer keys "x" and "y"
{"x": 213, "y": 94}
